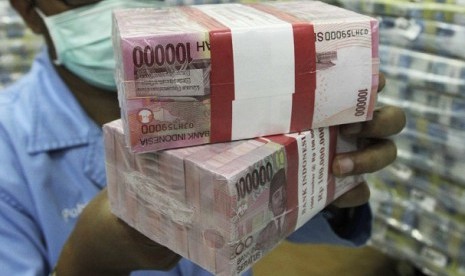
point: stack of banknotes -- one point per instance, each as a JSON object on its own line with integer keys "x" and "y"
{"x": 449, "y": 11}
{"x": 435, "y": 106}
{"x": 443, "y": 74}
{"x": 418, "y": 204}
{"x": 435, "y": 37}
{"x": 202, "y": 74}
{"x": 420, "y": 217}
{"x": 432, "y": 192}
{"x": 442, "y": 191}
{"x": 225, "y": 205}
{"x": 432, "y": 147}
{"x": 228, "y": 122}
{"x": 431, "y": 260}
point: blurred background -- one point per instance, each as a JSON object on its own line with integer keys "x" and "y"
{"x": 419, "y": 201}
{"x": 18, "y": 45}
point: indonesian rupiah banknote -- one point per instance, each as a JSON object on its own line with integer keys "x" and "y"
{"x": 215, "y": 73}
{"x": 225, "y": 205}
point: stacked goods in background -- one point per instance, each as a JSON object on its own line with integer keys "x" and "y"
{"x": 225, "y": 72}
{"x": 18, "y": 46}
{"x": 225, "y": 205}
{"x": 419, "y": 200}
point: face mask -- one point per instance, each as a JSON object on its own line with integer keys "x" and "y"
{"x": 82, "y": 39}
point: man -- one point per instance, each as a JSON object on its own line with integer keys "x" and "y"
{"x": 54, "y": 211}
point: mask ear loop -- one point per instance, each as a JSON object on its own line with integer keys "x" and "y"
{"x": 43, "y": 16}
{"x": 57, "y": 60}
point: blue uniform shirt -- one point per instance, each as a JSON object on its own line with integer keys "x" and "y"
{"x": 52, "y": 164}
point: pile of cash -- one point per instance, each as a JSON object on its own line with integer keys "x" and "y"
{"x": 229, "y": 119}
{"x": 225, "y": 205}
{"x": 216, "y": 73}
{"x": 419, "y": 205}
{"x": 445, "y": 75}
{"x": 430, "y": 36}
{"x": 400, "y": 242}
{"x": 431, "y": 226}
{"x": 432, "y": 147}
{"x": 449, "y": 11}
{"x": 435, "y": 106}
{"x": 435, "y": 189}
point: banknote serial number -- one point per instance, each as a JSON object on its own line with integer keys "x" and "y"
{"x": 340, "y": 34}
{"x": 162, "y": 55}
{"x": 154, "y": 128}
{"x": 362, "y": 99}
{"x": 253, "y": 180}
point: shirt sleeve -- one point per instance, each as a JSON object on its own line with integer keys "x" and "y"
{"x": 318, "y": 230}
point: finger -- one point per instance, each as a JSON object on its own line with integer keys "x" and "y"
{"x": 382, "y": 82}
{"x": 357, "y": 196}
{"x": 372, "y": 158}
{"x": 387, "y": 121}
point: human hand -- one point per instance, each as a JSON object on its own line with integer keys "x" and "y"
{"x": 102, "y": 244}
{"x": 376, "y": 150}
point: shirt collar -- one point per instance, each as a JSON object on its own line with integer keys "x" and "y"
{"x": 59, "y": 122}
{"x": 55, "y": 109}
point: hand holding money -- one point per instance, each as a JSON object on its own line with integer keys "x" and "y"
{"x": 378, "y": 151}
{"x": 102, "y": 244}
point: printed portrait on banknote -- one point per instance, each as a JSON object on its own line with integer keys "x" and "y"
{"x": 279, "y": 226}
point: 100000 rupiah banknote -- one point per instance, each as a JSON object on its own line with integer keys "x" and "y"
{"x": 242, "y": 70}
{"x": 225, "y": 205}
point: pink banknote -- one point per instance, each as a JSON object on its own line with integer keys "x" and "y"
{"x": 242, "y": 71}
{"x": 225, "y": 205}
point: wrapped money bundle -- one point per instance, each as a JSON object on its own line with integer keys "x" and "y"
{"x": 450, "y": 11}
{"x": 224, "y": 205}
{"x": 445, "y": 75}
{"x": 435, "y": 37}
{"x": 438, "y": 108}
{"x": 216, "y": 73}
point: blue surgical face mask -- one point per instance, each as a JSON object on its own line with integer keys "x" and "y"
{"x": 82, "y": 39}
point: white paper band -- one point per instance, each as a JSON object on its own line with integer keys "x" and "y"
{"x": 264, "y": 74}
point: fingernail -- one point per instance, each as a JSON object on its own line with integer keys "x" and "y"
{"x": 345, "y": 165}
{"x": 352, "y": 129}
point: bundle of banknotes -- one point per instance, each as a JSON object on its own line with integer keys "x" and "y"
{"x": 434, "y": 106}
{"x": 431, "y": 36}
{"x": 416, "y": 216}
{"x": 432, "y": 147}
{"x": 445, "y": 75}
{"x": 450, "y": 11}
{"x": 216, "y": 73}
{"x": 225, "y": 205}
{"x": 421, "y": 131}
{"x": 416, "y": 198}
{"x": 449, "y": 193}
{"x": 439, "y": 164}
{"x": 418, "y": 204}
{"x": 430, "y": 259}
